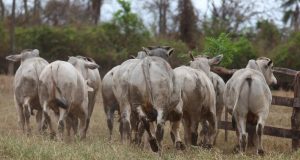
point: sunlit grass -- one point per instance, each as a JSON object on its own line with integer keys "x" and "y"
{"x": 15, "y": 145}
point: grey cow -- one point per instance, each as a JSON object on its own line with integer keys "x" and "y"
{"x": 26, "y": 86}
{"x": 247, "y": 94}
{"x": 147, "y": 88}
{"x": 64, "y": 90}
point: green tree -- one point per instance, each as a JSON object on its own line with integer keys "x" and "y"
{"x": 267, "y": 37}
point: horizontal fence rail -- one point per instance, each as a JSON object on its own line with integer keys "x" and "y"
{"x": 268, "y": 130}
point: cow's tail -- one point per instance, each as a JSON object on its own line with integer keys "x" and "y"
{"x": 60, "y": 102}
{"x": 145, "y": 67}
{"x": 248, "y": 79}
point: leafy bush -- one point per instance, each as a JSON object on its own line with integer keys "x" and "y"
{"x": 236, "y": 53}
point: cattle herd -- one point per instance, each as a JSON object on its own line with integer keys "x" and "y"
{"x": 146, "y": 92}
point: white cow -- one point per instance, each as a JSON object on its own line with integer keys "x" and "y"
{"x": 26, "y": 86}
{"x": 147, "y": 88}
{"x": 88, "y": 68}
{"x": 204, "y": 63}
{"x": 247, "y": 93}
{"x": 64, "y": 90}
{"x": 199, "y": 99}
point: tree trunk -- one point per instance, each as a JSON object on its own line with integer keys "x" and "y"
{"x": 12, "y": 27}
{"x": 12, "y": 35}
{"x": 36, "y": 11}
{"x": 187, "y": 22}
{"x": 2, "y": 7}
{"x": 96, "y": 10}
{"x": 25, "y": 10}
{"x": 163, "y": 6}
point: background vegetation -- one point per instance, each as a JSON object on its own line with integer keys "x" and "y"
{"x": 71, "y": 27}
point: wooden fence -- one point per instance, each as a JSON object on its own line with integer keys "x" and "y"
{"x": 292, "y": 133}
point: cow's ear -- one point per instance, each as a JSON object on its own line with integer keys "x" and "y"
{"x": 72, "y": 60}
{"x": 166, "y": 47}
{"x": 147, "y": 50}
{"x": 270, "y": 62}
{"x": 215, "y": 60}
{"x": 170, "y": 51}
{"x": 36, "y": 52}
{"x": 131, "y": 57}
{"x": 91, "y": 65}
{"x": 14, "y": 58}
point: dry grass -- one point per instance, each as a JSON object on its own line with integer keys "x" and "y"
{"x": 15, "y": 145}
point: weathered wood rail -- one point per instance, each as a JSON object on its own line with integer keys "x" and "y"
{"x": 292, "y": 133}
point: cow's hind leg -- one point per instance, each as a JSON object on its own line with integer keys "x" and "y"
{"x": 175, "y": 126}
{"x": 61, "y": 124}
{"x": 187, "y": 129}
{"x": 125, "y": 127}
{"x": 161, "y": 119}
{"x": 83, "y": 122}
{"x": 212, "y": 129}
{"x": 39, "y": 116}
{"x": 21, "y": 117}
{"x": 204, "y": 133}
{"x": 241, "y": 120}
{"x": 146, "y": 123}
{"x": 26, "y": 112}
{"x": 110, "y": 121}
{"x": 46, "y": 120}
{"x": 194, "y": 133}
{"x": 259, "y": 133}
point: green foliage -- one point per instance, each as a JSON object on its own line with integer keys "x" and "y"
{"x": 129, "y": 23}
{"x": 267, "y": 37}
{"x": 288, "y": 54}
{"x": 238, "y": 51}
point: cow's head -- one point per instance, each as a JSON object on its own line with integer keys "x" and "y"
{"x": 265, "y": 66}
{"x": 25, "y": 54}
{"x": 83, "y": 64}
{"x": 159, "y": 51}
{"x": 203, "y": 62}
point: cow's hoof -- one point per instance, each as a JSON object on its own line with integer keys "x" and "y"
{"x": 153, "y": 145}
{"x": 207, "y": 146}
{"x": 261, "y": 152}
{"x": 52, "y": 135}
{"x": 236, "y": 149}
{"x": 194, "y": 139}
{"x": 180, "y": 145}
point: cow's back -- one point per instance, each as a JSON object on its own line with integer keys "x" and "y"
{"x": 197, "y": 90}
{"x": 62, "y": 80}
{"x": 26, "y": 78}
{"x": 247, "y": 88}
{"x": 153, "y": 81}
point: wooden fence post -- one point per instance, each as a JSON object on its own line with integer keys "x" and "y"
{"x": 295, "y": 119}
